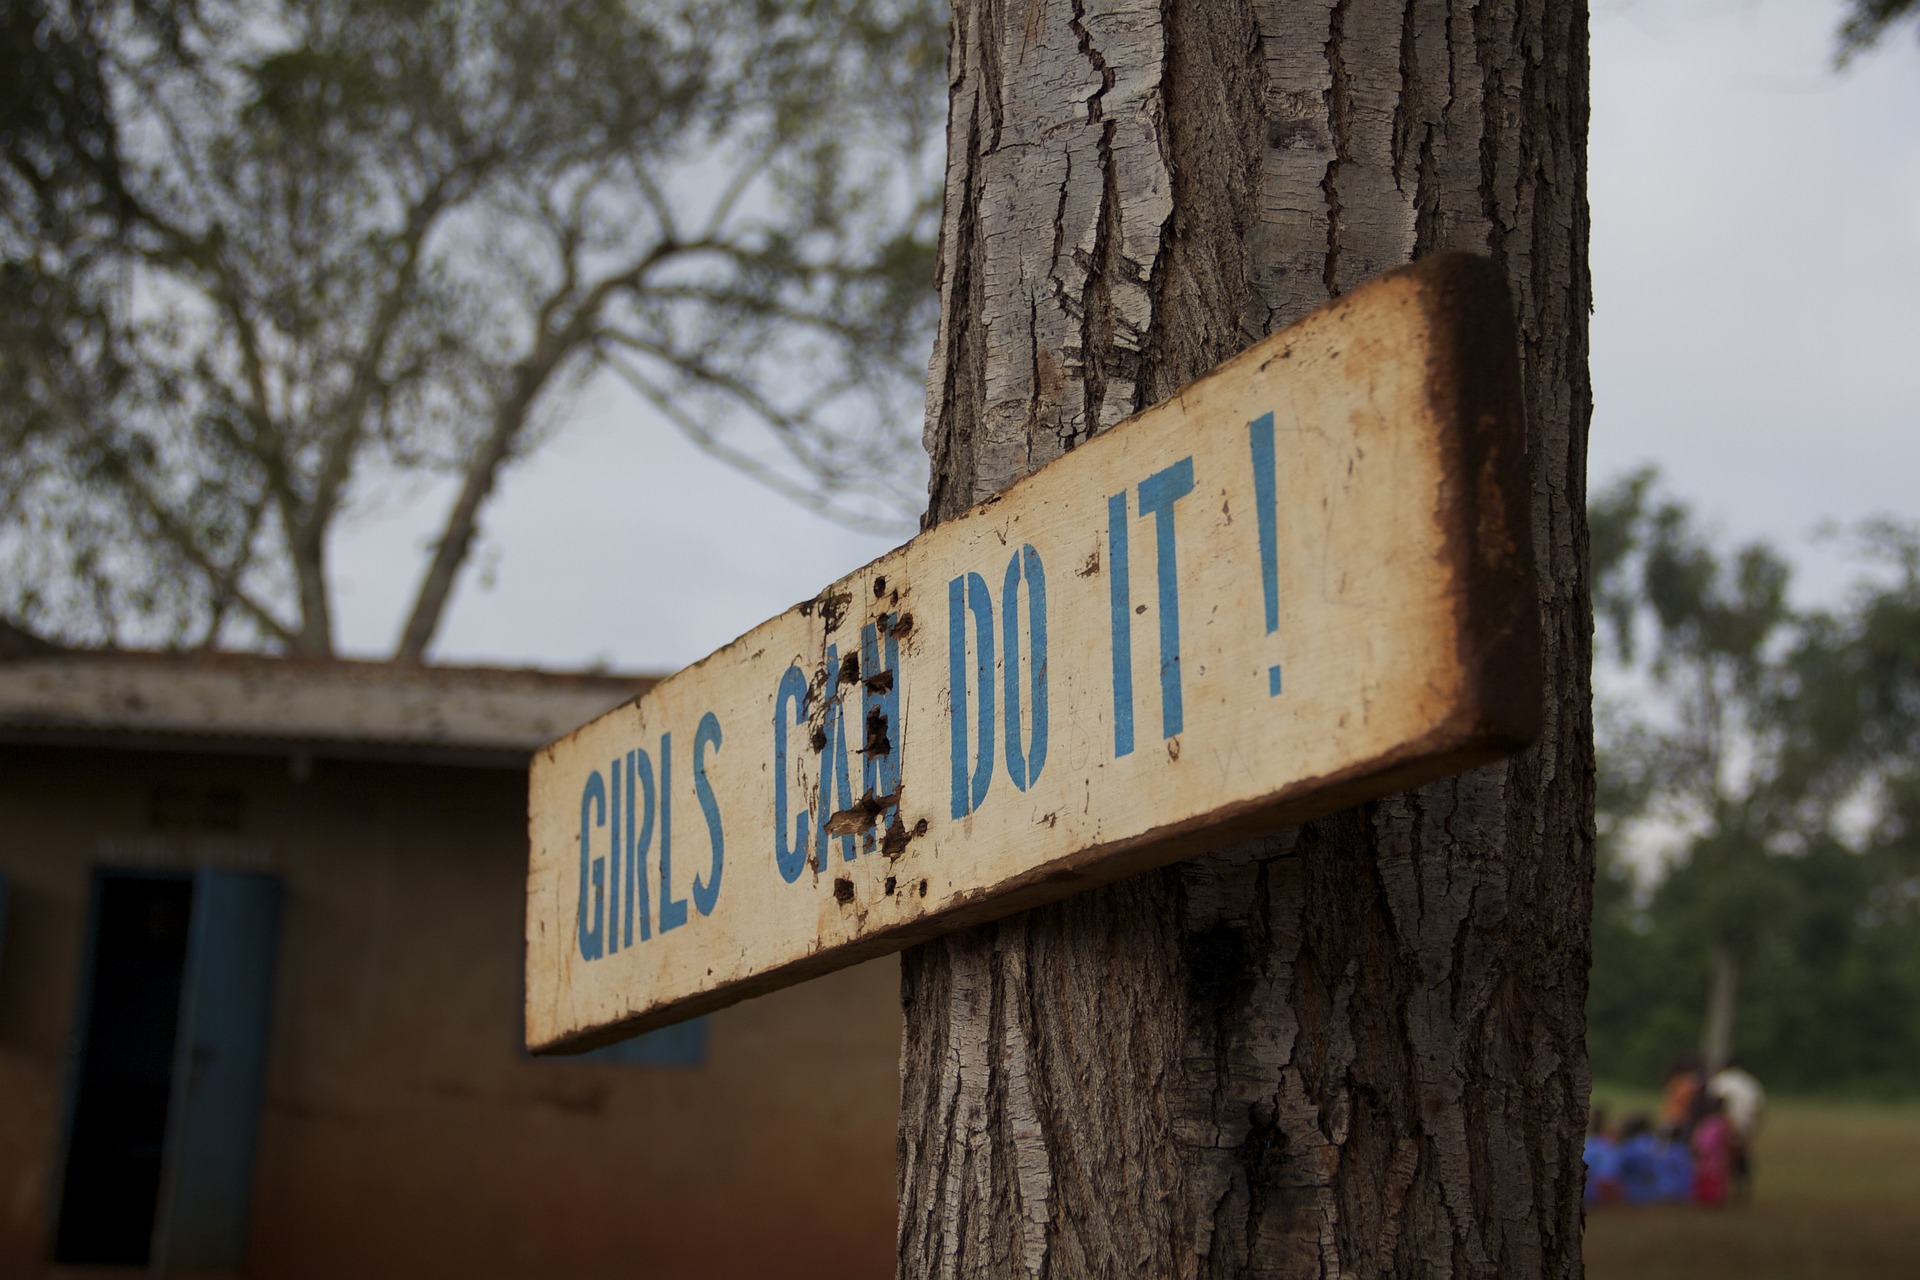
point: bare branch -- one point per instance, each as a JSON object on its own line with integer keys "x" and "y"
{"x": 421, "y": 218}
{"x": 657, "y": 202}
{"x": 755, "y": 167}
{"x": 697, "y": 431}
{"x": 551, "y": 349}
{"x": 793, "y": 428}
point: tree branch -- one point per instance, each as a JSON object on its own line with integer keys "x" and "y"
{"x": 708, "y": 443}
{"x": 790, "y": 427}
{"x": 338, "y": 462}
{"x": 551, "y": 349}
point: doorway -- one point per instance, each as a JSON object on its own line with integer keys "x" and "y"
{"x": 168, "y": 1067}
{"x": 124, "y": 1075}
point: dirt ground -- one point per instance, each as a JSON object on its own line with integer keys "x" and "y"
{"x": 1836, "y": 1197}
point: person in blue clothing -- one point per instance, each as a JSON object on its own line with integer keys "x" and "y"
{"x": 1603, "y": 1162}
{"x": 1639, "y": 1161}
{"x": 1673, "y": 1168}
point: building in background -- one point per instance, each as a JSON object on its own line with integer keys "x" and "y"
{"x": 260, "y": 990}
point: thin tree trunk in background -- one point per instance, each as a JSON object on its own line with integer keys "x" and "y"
{"x": 1354, "y": 1048}
{"x": 309, "y": 553}
{"x": 1716, "y": 1037}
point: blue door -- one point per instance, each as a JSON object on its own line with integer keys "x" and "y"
{"x": 219, "y": 1072}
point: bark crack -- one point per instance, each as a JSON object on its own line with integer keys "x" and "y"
{"x": 1095, "y": 303}
{"x": 1406, "y": 101}
{"x": 1338, "y": 105}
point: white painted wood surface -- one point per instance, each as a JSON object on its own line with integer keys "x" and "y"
{"x": 1403, "y": 648}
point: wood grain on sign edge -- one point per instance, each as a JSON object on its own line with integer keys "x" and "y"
{"x": 1473, "y": 380}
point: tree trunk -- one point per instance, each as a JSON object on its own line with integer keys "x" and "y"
{"x": 1354, "y": 1048}
{"x": 307, "y": 546}
{"x": 1716, "y": 1035}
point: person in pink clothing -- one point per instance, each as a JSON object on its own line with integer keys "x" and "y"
{"x": 1712, "y": 1155}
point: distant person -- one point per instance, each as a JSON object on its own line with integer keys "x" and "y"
{"x": 1673, "y": 1168}
{"x": 1639, "y": 1161}
{"x": 1603, "y": 1163}
{"x": 1681, "y": 1099}
{"x": 1712, "y": 1155}
{"x": 1746, "y": 1104}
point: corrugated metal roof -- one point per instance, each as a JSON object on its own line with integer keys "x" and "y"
{"x": 249, "y": 703}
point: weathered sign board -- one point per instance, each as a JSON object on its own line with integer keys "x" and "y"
{"x": 1302, "y": 582}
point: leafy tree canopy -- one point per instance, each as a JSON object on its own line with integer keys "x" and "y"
{"x": 1770, "y": 751}
{"x": 264, "y": 262}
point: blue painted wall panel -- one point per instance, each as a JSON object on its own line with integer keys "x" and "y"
{"x": 684, "y": 1044}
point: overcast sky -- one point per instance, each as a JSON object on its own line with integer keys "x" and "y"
{"x": 1756, "y": 259}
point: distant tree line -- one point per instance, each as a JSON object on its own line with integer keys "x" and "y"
{"x": 1759, "y": 804}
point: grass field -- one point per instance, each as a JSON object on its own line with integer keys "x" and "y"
{"x": 1836, "y": 1197}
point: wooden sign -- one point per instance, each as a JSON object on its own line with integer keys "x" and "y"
{"x": 1303, "y": 582}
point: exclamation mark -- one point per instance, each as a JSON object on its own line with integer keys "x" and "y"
{"x": 1266, "y": 508}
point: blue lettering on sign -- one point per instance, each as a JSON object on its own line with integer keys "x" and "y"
{"x": 1023, "y": 766}
{"x": 707, "y": 892}
{"x": 833, "y": 766}
{"x": 965, "y": 594}
{"x": 614, "y": 889}
{"x": 880, "y": 721}
{"x": 593, "y": 871}
{"x": 1120, "y": 597}
{"x": 639, "y": 771}
{"x": 1266, "y": 504}
{"x": 791, "y": 858}
{"x": 1158, "y": 494}
{"x": 613, "y": 857}
{"x": 673, "y": 911}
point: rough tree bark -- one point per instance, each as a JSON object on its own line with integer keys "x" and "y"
{"x": 1355, "y": 1048}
